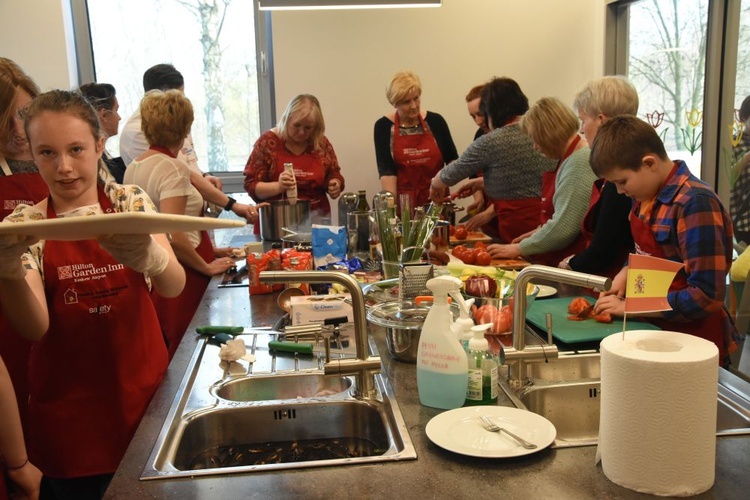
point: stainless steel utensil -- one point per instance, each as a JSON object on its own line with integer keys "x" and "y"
{"x": 279, "y": 214}
{"x": 489, "y": 426}
{"x": 284, "y": 300}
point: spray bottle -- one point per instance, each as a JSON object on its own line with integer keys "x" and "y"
{"x": 442, "y": 373}
{"x": 462, "y": 326}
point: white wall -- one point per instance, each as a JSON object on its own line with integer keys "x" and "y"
{"x": 34, "y": 34}
{"x": 346, "y": 59}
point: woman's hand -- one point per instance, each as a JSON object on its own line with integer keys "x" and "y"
{"x": 519, "y": 239}
{"x": 247, "y": 212}
{"x": 437, "y": 189}
{"x": 478, "y": 204}
{"x": 28, "y": 479}
{"x": 220, "y": 265}
{"x": 480, "y": 219}
{"x": 512, "y": 251}
{"x": 287, "y": 180}
{"x": 334, "y": 188}
{"x": 612, "y": 304}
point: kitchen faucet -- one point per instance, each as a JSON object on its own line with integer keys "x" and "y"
{"x": 517, "y": 357}
{"x": 363, "y": 366}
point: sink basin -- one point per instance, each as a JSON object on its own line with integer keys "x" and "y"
{"x": 568, "y": 395}
{"x": 283, "y": 387}
{"x": 276, "y": 413}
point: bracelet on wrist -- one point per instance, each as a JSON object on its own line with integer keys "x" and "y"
{"x": 8, "y": 467}
{"x": 230, "y": 203}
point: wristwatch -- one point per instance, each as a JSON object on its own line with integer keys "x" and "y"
{"x": 230, "y": 203}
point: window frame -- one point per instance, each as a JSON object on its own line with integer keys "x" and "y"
{"x": 719, "y": 85}
{"x": 233, "y": 182}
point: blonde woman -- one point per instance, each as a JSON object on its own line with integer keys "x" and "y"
{"x": 411, "y": 145}
{"x": 553, "y": 127}
{"x": 299, "y": 139}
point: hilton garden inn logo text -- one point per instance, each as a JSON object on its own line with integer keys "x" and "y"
{"x": 86, "y": 272}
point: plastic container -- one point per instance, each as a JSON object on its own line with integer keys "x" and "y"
{"x": 441, "y": 361}
{"x": 462, "y": 326}
{"x": 291, "y": 193}
{"x": 482, "y": 388}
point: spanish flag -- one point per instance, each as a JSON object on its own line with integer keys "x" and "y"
{"x": 648, "y": 283}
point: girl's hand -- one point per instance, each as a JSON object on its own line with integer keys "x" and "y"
{"x": 220, "y": 265}
{"x": 612, "y": 304}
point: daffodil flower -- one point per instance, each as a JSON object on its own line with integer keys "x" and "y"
{"x": 694, "y": 117}
{"x": 736, "y": 129}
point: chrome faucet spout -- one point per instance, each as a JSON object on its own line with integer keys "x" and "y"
{"x": 364, "y": 365}
{"x": 521, "y": 354}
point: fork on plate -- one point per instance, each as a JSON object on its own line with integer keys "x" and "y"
{"x": 489, "y": 426}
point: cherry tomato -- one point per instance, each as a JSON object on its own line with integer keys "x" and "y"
{"x": 461, "y": 233}
{"x": 483, "y": 258}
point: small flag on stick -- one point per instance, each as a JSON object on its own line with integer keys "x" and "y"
{"x": 648, "y": 283}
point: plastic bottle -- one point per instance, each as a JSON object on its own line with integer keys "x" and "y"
{"x": 483, "y": 370}
{"x": 291, "y": 193}
{"x": 442, "y": 373}
{"x": 462, "y": 326}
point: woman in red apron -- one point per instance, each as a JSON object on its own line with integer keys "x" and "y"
{"x": 299, "y": 139}
{"x": 20, "y": 183}
{"x": 166, "y": 118}
{"x": 99, "y": 354}
{"x": 677, "y": 217}
{"x": 411, "y": 146}
{"x": 566, "y": 190}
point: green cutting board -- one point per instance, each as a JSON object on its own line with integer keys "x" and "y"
{"x": 576, "y": 331}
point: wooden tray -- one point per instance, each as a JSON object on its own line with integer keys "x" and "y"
{"x": 576, "y": 331}
{"x": 510, "y": 263}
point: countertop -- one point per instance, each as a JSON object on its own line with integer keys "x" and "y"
{"x": 550, "y": 473}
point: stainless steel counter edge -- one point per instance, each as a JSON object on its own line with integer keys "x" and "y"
{"x": 551, "y": 473}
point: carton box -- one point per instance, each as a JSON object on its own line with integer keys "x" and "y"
{"x": 308, "y": 309}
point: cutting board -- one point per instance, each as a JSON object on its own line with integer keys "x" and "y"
{"x": 576, "y": 331}
{"x": 473, "y": 237}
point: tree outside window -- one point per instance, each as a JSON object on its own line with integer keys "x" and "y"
{"x": 211, "y": 42}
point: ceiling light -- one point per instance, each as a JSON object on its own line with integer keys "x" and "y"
{"x": 344, "y": 4}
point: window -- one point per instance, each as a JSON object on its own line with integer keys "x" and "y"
{"x": 214, "y": 44}
{"x": 666, "y": 63}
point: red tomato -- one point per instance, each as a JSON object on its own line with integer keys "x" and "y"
{"x": 451, "y": 230}
{"x": 501, "y": 323}
{"x": 480, "y": 244}
{"x": 459, "y": 250}
{"x": 483, "y": 258}
{"x": 461, "y": 233}
{"x": 469, "y": 257}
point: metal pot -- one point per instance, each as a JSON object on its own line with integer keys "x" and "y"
{"x": 280, "y": 214}
{"x": 301, "y": 240}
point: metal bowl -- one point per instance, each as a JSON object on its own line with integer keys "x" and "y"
{"x": 281, "y": 214}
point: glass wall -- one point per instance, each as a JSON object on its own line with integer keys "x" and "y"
{"x": 212, "y": 44}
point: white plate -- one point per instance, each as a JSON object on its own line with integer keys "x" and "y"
{"x": 460, "y": 431}
{"x": 90, "y": 226}
{"x": 546, "y": 291}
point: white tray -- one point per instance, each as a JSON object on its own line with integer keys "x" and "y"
{"x": 91, "y": 226}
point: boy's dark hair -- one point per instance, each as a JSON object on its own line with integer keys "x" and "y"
{"x": 623, "y": 142}
{"x": 162, "y": 77}
{"x": 502, "y": 99}
{"x": 745, "y": 109}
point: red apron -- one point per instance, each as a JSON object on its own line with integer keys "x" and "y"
{"x": 516, "y": 217}
{"x": 418, "y": 158}
{"x": 17, "y": 189}
{"x": 310, "y": 174}
{"x": 549, "y": 179}
{"x": 92, "y": 375}
{"x": 712, "y": 327}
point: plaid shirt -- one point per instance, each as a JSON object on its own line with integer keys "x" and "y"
{"x": 691, "y": 226}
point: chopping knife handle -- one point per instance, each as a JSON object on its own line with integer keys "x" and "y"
{"x": 214, "y": 329}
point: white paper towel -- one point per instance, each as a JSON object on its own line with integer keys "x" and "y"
{"x": 657, "y": 430}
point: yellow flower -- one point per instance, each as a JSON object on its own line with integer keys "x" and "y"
{"x": 694, "y": 117}
{"x": 736, "y": 129}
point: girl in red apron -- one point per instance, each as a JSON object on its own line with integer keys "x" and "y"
{"x": 99, "y": 354}
{"x": 297, "y": 139}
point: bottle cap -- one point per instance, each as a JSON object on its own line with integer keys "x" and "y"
{"x": 478, "y": 342}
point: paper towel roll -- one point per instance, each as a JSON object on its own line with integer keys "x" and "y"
{"x": 657, "y": 430}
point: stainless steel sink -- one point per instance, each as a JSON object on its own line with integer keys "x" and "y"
{"x": 277, "y": 413}
{"x": 283, "y": 387}
{"x": 568, "y": 395}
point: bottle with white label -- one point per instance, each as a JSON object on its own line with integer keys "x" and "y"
{"x": 291, "y": 193}
{"x": 483, "y": 368}
{"x": 441, "y": 361}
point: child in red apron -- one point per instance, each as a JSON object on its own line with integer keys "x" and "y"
{"x": 677, "y": 217}
{"x": 99, "y": 355}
